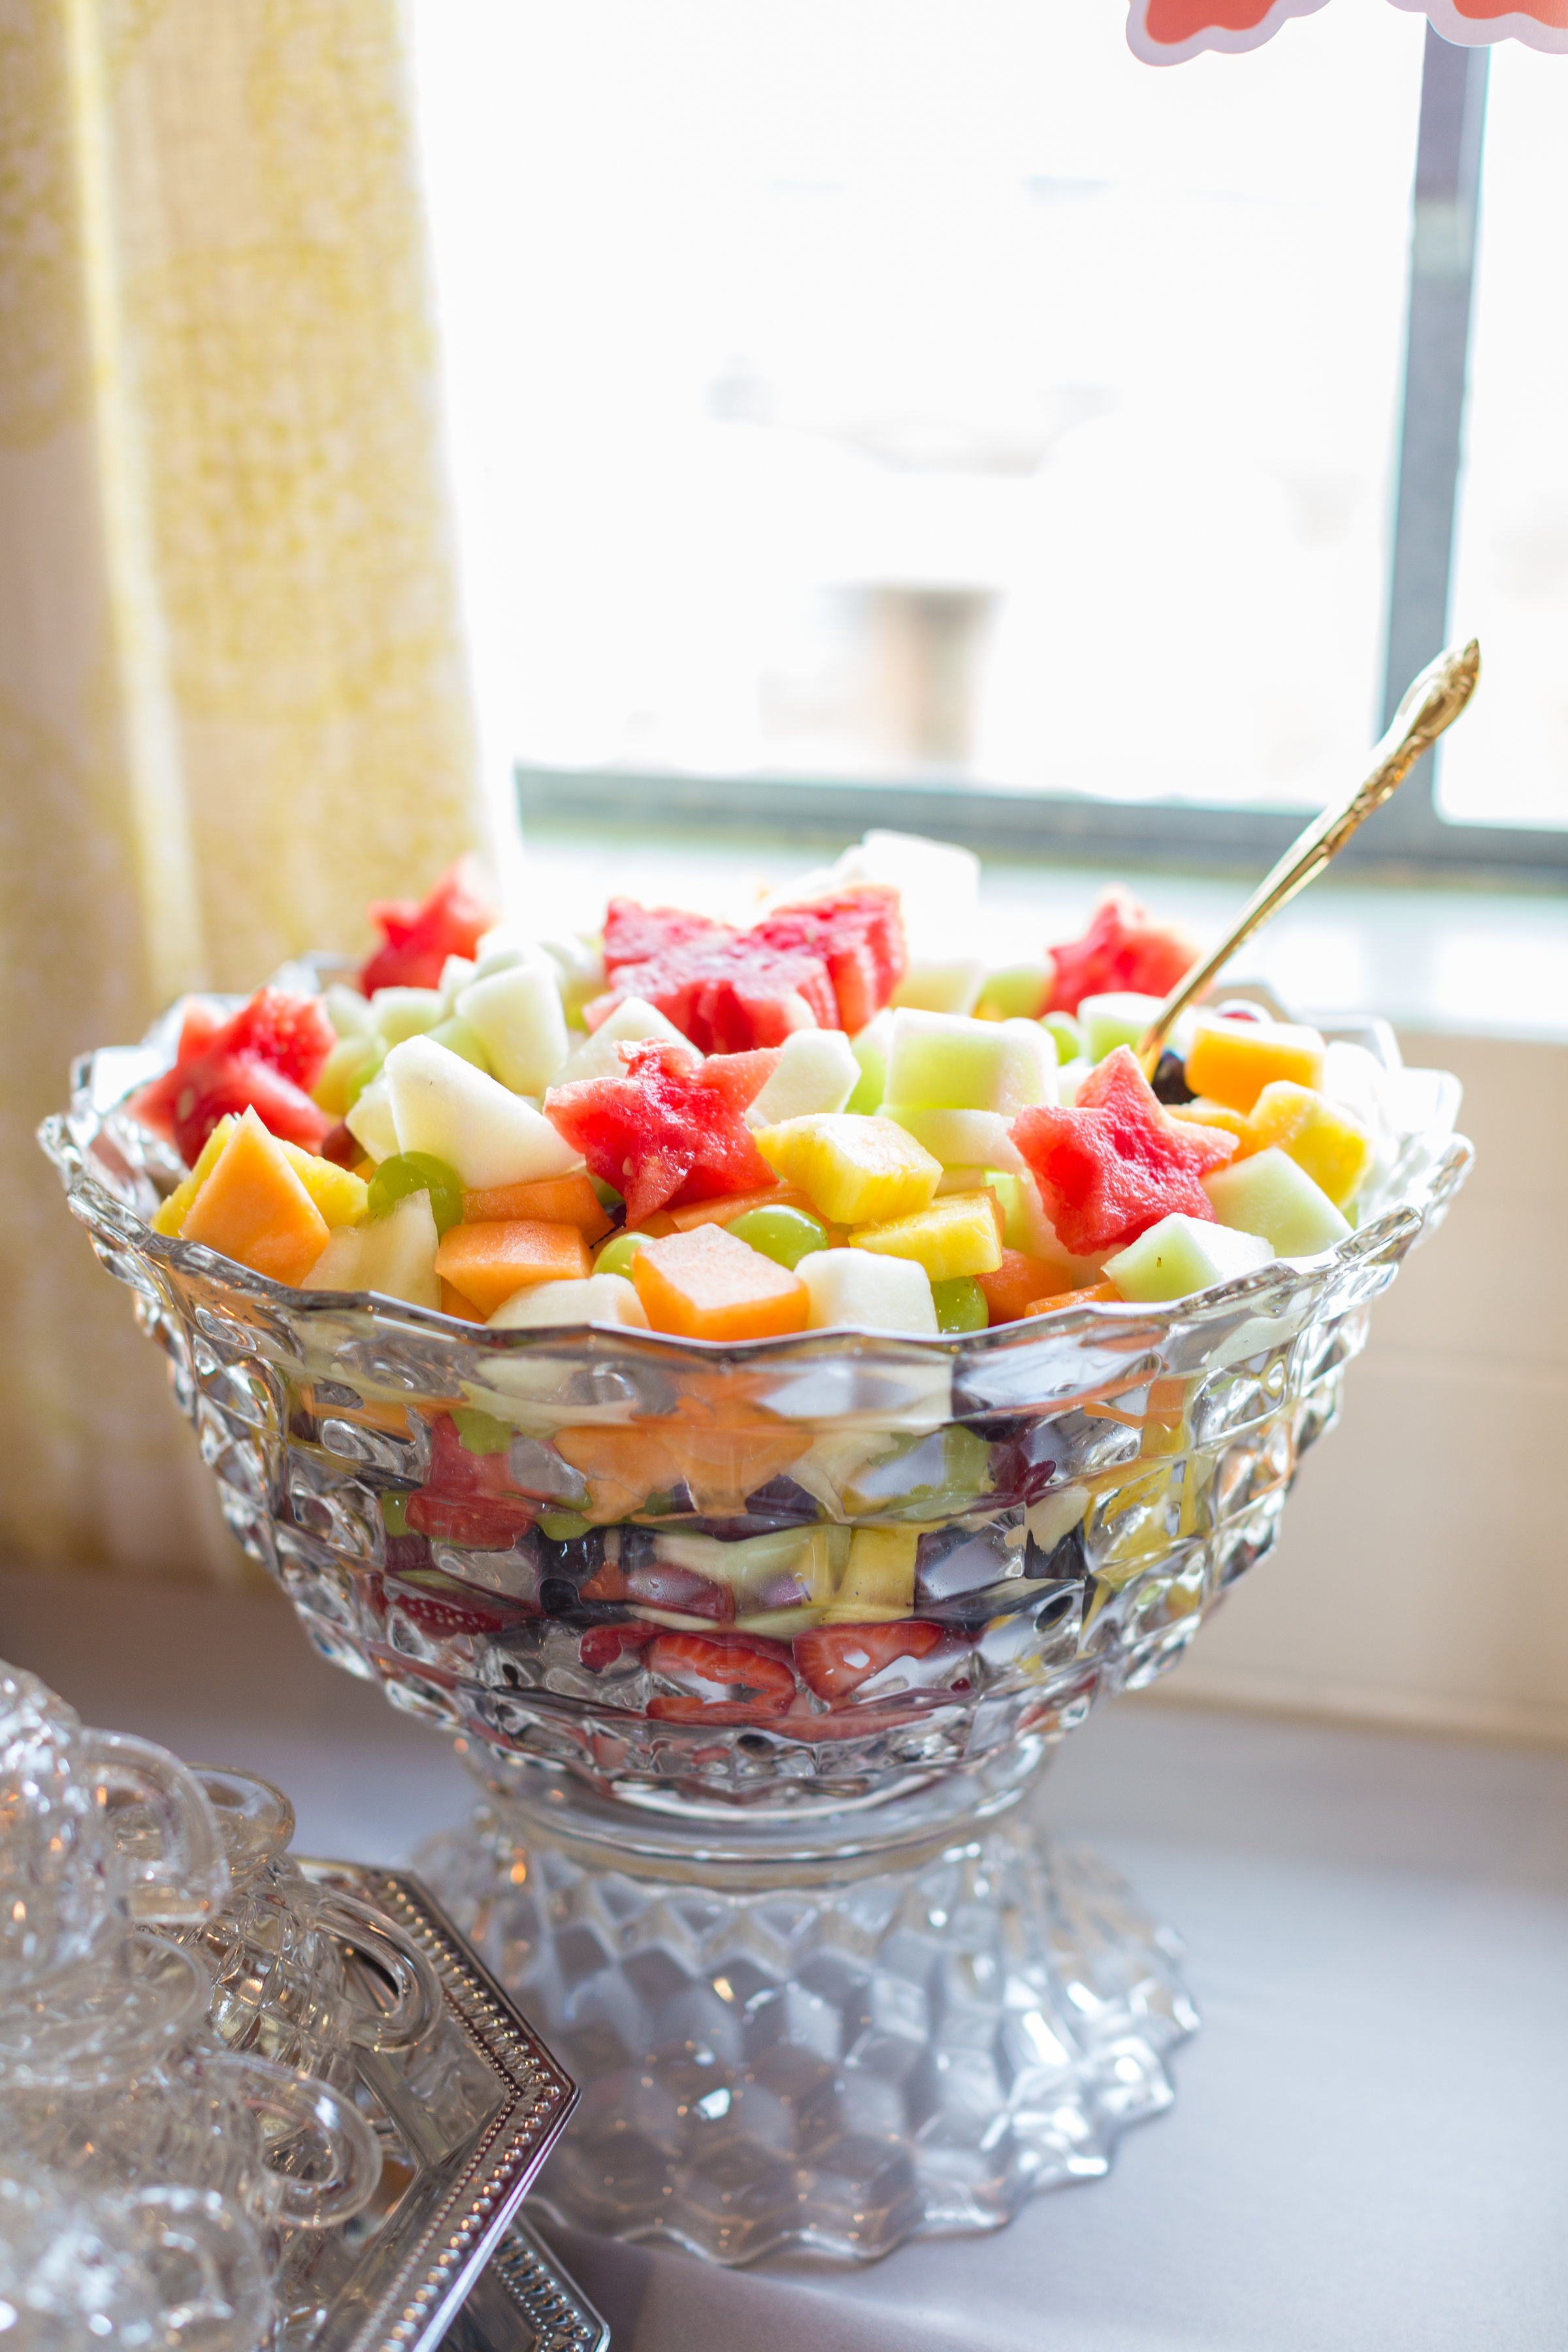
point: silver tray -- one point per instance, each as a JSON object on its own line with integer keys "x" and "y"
{"x": 465, "y": 2123}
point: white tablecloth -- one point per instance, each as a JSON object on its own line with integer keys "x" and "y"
{"x": 1368, "y": 2150}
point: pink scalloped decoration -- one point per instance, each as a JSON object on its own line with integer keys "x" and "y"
{"x": 1477, "y": 23}
{"x": 1167, "y": 32}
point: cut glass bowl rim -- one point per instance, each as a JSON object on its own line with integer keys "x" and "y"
{"x": 1438, "y": 1158}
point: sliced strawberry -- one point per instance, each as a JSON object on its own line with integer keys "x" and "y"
{"x": 601, "y": 1645}
{"x": 834, "y": 1660}
{"x": 441, "y": 1606}
{"x": 659, "y": 1584}
{"x": 730, "y": 1670}
{"x": 419, "y": 937}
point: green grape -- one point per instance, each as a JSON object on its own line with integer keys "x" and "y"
{"x": 373, "y": 1053}
{"x": 394, "y": 1510}
{"x": 617, "y": 1254}
{"x": 481, "y": 1432}
{"x": 786, "y": 1235}
{"x": 561, "y": 1526}
{"x": 609, "y": 1200}
{"x": 960, "y": 1304}
{"x": 417, "y": 1171}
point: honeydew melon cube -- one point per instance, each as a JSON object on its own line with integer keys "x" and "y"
{"x": 346, "y": 1072}
{"x": 853, "y": 1171}
{"x": 1118, "y": 1018}
{"x": 455, "y": 1033}
{"x": 348, "y": 1010}
{"x": 870, "y": 1051}
{"x": 580, "y": 970}
{"x": 631, "y": 1021}
{"x": 370, "y": 1121}
{"x": 400, "y": 1012}
{"x": 961, "y": 1179}
{"x": 962, "y": 1139}
{"x": 939, "y": 984}
{"x": 1026, "y": 1227}
{"x": 1182, "y": 1255}
{"x": 1070, "y": 1077}
{"x": 1065, "y": 1035}
{"x": 442, "y": 1105}
{"x": 944, "y": 1062}
{"x": 959, "y": 1234}
{"x": 587, "y": 1298}
{"x": 456, "y": 973}
{"x": 817, "y": 1071}
{"x": 1017, "y": 991}
{"x": 876, "y": 1294}
{"x": 517, "y": 1017}
{"x": 1269, "y": 1193}
{"x": 394, "y": 1254}
{"x": 499, "y": 951}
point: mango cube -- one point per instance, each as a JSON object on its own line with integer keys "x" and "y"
{"x": 1235, "y": 1060}
{"x": 1200, "y": 1112}
{"x": 253, "y": 1207}
{"x": 1180, "y": 1256}
{"x": 879, "y": 1582}
{"x": 853, "y": 1171}
{"x": 1269, "y": 1194}
{"x": 1322, "y": 1136}
{"x": 959, "y": 1235}
{"x": 939, "y": 1062}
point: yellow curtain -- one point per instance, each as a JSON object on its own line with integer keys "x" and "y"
{"x": 232, "y": 698}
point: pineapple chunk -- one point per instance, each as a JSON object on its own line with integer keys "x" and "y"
{"x": 1235, "y": 1060}
{"x": 1329, "y": 1141}
{"x": 1200, "y": 1112}
{"x": 879, "y": 1579}
{"x": 1269, "y": 1194}
{"x": 853, "y": 1171}
{"x": 170, "y": 1215}
{"x": 253, "y": 1207}
{"x": 956, "y": 1235}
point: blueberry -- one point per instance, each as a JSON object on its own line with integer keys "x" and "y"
{"x": 1170, "y": 1080}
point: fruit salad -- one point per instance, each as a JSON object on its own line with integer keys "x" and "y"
{"x": 716, "y": 1136}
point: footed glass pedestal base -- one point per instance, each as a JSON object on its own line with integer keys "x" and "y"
{"x": 831, "y": 2033}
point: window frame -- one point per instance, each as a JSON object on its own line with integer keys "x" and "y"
{"x": 1407, "y": 839}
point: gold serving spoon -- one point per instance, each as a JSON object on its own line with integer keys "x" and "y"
{"x": 1433, "y": 702}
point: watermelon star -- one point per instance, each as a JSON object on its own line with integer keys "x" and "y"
{"x": 265, "y": 1057}
{"x": 417, "y": 938}
{"x": 1123, "y": 948}
{"x": 670, "y": 1132}
{"x": 1119, "y": 1162}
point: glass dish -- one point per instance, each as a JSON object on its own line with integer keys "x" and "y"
{"x": 782, "y": 1630}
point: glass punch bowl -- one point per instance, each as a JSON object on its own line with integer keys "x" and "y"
{"x": 756, "y": 1652}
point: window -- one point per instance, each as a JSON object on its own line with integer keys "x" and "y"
{"x": 920, "y": 412}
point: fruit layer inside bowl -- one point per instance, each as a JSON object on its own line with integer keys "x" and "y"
{"x": 728, "y": 1135}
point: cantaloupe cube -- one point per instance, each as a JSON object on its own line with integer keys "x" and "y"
{"x": 1322, "y": 1136}
{"x": 1012, "y": 1288}
{"x": 170, "y": 1214}
{"x": 394, "y": 1254}
{"x": 1269, "y": 1194}
{"x": 1235, "y": 1060}
{"x": 1092, "y": 1294}
{"x": 253, "y": 1207}
{"x": 487, "y": 1261}
{"x": 857, "y": 1287}
{"x": 556, "y": 1201}
{"x": 706, "y": 1285}
{"x": 959, "y": 1235}
{"x": 454, "y": 1303}
{"x": 853, "y": 1171}
{"x": 730, "y": 1205}
{"x": 599, "y": 1298}
{"x": 1181, "y": 1254}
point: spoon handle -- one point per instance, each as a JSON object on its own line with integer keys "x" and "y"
{"x": 1431, "y": 703}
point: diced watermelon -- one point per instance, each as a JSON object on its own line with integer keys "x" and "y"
{"x": 831, "y": 965}
{"x": 666, "y": 1133}
{"x": 860, "y": 937}
{"x": 834, "y": 1660}
{"x": 1122, "y": 949}
{"x": 635, "y": 934}
{"x": 419, "y": 937}
{"x": 467, "y": 1498}
{"x": 1118, "y": 1162}
{"x": 264, "y": 1057}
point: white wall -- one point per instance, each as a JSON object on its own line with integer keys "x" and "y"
{"x": 1422, "y": 1577}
